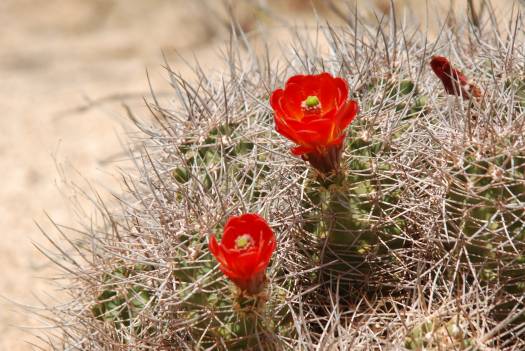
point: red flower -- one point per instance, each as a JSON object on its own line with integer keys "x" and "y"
{"x": 313, "y": 112}
{"x": 454, "y": 80}
{"x": 245, "y": 250}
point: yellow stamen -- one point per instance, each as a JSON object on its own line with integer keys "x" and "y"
{"x": 243, "y": 241}
{"x": 312, "y": 101}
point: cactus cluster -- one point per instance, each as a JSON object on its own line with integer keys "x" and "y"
{"x": 485, "y": 219}
{"x": 414, "y": 239}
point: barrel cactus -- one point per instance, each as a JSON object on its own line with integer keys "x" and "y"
{"x": 396, "y": 206}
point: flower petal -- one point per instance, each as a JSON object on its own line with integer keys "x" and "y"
{"x": 338, "y": 140}
{"x": 275, "y": 101}
{"x": 292, "y": 100}
{"x": 285, "y": 132}
{"x": 328, "y": 93}
{"x": 312, "y": 138}
{"x": 346, "y": 114}
{"x": 342, "y": 90}
{"x": 301, "y": 150}
{"x": 297, "y": 79}
{"x": 213, "y": 245}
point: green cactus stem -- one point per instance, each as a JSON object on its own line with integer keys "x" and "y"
{"x": 251, "y": 329}
{"x": 485, "y": 201}
{"x": 356, "y": 213}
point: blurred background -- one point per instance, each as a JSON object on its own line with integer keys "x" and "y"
{"x": 66, "y": 67}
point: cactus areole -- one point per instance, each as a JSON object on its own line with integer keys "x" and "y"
{"x": 313, "y": 111}
{"x": 244, "y": 252}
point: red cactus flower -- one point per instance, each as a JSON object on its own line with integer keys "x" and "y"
{"x": 245, "y": 250}
{"x": 313, "y": 112}
{"x": 454, "y": 80}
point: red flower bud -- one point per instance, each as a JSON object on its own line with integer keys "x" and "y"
{"x": 313, "y": 112}
{"x": 245, "y": 250}
{"x": 454, "y": 80}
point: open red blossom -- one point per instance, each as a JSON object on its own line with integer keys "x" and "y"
{"x": 245, "y": 250}
{"x": 454, "y": 80}
{"x": 313, "y": 112}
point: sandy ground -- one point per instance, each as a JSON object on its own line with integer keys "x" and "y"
{"x": 55, "y": 57}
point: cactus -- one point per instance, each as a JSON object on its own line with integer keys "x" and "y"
{"x": 485, "y": 214}
{"x": 419, "y": 229}
{"x": 364, "y": 215}
{"x": 359, "y": 213}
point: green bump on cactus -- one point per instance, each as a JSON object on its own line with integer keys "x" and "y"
{"x": 517, "y": 88}
{"x": 408, "y": 100}
{"x": 406, "y": 87}
{"x": 122, "y": 305}
{"x": 438, "y": 334}
{"x": 485, "y": 201}
{"x": 181, "y": 175}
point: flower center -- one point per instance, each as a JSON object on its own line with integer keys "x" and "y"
{"x": 311, "y": 106}
{"x": 312, "y": 101}
{"x": 243, "y": 241}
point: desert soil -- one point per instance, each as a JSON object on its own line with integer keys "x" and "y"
{"x": 66, "y": 66}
